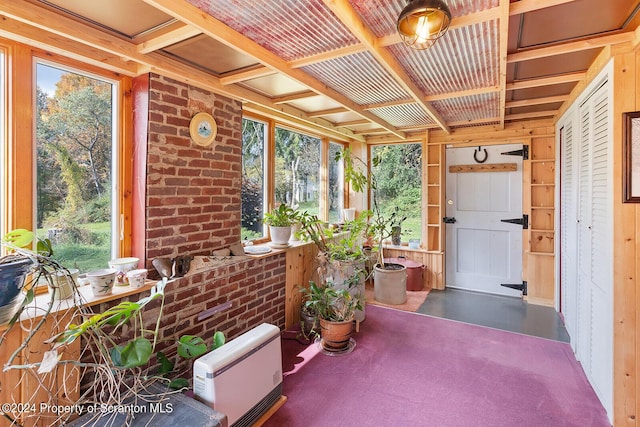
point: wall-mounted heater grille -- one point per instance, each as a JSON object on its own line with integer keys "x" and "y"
{"x": 243, "y": 378}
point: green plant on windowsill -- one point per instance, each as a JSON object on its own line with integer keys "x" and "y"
{"x": 22, "y": 269}
{"x": 282, "y": 216}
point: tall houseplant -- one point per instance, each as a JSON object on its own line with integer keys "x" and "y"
{"x": 389, "y": 278}
{"x": 341, "y": 257}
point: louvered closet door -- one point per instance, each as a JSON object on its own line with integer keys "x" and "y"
{"x": 595, "y": 239}
{"x": 568, "y": 240}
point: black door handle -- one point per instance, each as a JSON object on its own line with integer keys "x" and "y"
{"x": 449, "y": 220}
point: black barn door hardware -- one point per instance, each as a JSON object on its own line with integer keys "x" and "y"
{"x": 524, "y": 153}
{"x": 524, "y": 221}
{"x": 517, "y": 286}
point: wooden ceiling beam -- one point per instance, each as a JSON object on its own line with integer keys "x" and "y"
{"x": 335, "y": 132}
{"x": 570, "y": 47}
{"x": 82, "y": 42}
{"x": 327, "y": 56}
{"x": 310, "y": 60}
{"x": 389, "y": 104}
{"x": 294, "y": 97}
{"x": 354, "y": 123}
{"x": 547, "y": 81}
{"x": 463, "y": 93}
{"x": 45, "y": 40}
{"x": 188, "y": 13}
{"x": 524, "y": 6}
{"x": 536, "y": 101}
{"x": 327, "y": 112}
{"x": 532, "y": 115}
{"x": 502, "y": 57}
{"x": 244, "y": 74}
{"x": 167, "y": 38}
{"x": 345, "y": 13}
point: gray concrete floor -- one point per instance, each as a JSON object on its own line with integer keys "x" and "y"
{"x": 494, "y": 311}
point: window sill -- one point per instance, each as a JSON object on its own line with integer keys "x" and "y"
{"x": 275, "y": 251}
{"x": 41, "y": 302}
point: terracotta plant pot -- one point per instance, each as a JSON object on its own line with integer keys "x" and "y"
{"x": 336, "y": 335}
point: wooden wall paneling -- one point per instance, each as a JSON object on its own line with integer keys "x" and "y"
{"x": 65, "y": 378}
{"x": 21, "y": 386}
{"x": 10, "y": 386}
{"x": 626, "y": 246}
{"x": 301, "y": 267}
{"x": 540, "y": 272}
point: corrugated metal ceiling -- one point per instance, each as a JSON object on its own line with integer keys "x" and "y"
{"x": 347, "y": 53}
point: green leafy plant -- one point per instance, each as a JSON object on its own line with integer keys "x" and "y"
{"x": 361, "y": 178}
{"x": 282, "y": 216}
{"x": 337, "y": 245}
{"x": 137, "y": 351}
{"x": 329, "y": 303}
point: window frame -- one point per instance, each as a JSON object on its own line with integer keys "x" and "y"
{"x": 19, "y": 206}
{"x": 269, "y": 168}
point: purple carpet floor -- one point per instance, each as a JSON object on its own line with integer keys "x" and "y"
{"x": 409, "y": 369}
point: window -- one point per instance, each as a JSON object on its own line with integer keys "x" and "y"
{"x": 295, "y": 160}
{"x": 336, "y": 184}
{"x": 76, "y": 140}
{"x": 254, "y": 143}
{"x": 399, "y": 178}
{"x": 297, "y": 171}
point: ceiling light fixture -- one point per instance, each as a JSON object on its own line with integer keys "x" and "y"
{"x": 422, "y": 22}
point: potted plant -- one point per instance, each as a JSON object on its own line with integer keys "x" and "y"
{"x": 22, "y": 269}
{"x": 341, "y": 256}
{"x": 336, "y": 309}
{"x": 395, "y": 225}
{"x": 119, "y": 353}
{"x": 389, "y": 278}
{"x": 280, "y": 221}
{"x": 118, "y": 350}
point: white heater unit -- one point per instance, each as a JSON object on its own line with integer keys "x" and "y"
{"x": 243, "y": 378}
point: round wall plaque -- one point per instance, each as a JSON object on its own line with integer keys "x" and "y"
{"x": 203, "y": 129}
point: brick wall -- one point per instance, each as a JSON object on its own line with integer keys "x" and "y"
{"x": 193, "y": 192}
{"x": 193, "y": 207}
{"x": 193, "y": 197}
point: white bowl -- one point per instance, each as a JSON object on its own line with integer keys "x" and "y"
{"x": 137, "y": 277}
{"x": 122, "y": 266}
{"x": 101, "y": 281}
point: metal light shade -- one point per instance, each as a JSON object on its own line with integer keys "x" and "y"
{"x": 422, "y": 22}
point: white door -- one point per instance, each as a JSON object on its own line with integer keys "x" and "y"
{"x": 568, "y": 229}
{"x": 586, "y": 234}
{"x": 483, "y": 252}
